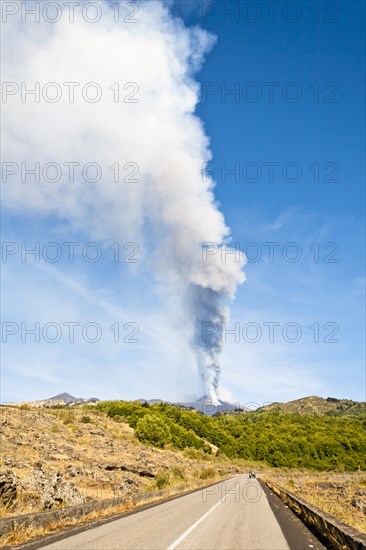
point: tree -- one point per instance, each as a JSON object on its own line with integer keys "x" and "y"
{"x": 153, "y": 429}
{"x": 278, "y": 459}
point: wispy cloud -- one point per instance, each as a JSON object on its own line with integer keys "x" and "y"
{"x": 282, "y": 220}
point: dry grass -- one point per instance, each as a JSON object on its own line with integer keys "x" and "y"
{"x": 21, "y": 535}
{"x": 332, "y": 492}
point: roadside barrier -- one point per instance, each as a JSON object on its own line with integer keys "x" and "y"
{"x": 330, "y": 530}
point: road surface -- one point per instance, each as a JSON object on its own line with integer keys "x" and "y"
{"x": 233, "y": 515}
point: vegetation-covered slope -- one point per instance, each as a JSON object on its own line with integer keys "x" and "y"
{"x": 320, "y": 442}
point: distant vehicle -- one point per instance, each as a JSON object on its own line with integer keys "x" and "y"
{"x": 251, "y": 473}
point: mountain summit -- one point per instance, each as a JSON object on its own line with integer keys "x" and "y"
{"x": 65, "y": 397}
{"x": 69, "y": 399}
{"x": 208, "y": 406}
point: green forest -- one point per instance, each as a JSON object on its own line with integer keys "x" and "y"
{"x": 319, "y": 442}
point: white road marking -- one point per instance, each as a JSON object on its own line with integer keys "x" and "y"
{"x": 186, "y": 533}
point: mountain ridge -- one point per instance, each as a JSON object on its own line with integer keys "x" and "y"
{"x": 330, "y": 406}
{"x": 312, "y": 404}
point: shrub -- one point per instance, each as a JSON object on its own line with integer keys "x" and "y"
{"x": 162, "y": 481}
{"x": 207, "y": 473}
{"x": 119, "y": 418}
{"x": 191, "y": 453}
{"x": 85, "y": 419}
{"x": 178, "y": 472}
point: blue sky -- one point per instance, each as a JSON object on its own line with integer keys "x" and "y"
{"x": 315, "y": 199}
{"x": 307, "y": 133}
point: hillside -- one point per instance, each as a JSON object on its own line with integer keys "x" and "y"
{"x": 52, "y": 457}
{"x": 317, "y": 405}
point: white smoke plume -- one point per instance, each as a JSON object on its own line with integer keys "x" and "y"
{"x": 171, "y": 208}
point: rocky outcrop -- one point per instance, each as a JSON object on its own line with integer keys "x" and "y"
{"x": 8, "y": 487}
{"x": 124, "y": 468}
{"x": 52, "y": 488}
{"x": 359, "y": 500}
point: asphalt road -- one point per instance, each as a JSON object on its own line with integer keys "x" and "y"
{"x": 232, "y": 515}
